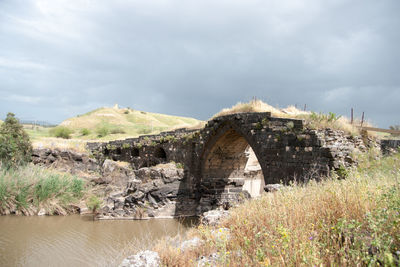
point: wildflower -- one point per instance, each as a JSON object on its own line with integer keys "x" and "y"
{"x": 310, "y": 238}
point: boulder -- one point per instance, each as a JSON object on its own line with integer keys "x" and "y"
{"x": 272, "y": 187}
{"x": 117, "y": 173}
{"x": 213, "y": 217}
{"x": 191, "y": 243}
{"x": 65, "y": 160}
{"x": 210, "y": 260}
{"x": 167, "y": 191}
{"x": 41, "y": 212}
{"x": 145, "y": 258}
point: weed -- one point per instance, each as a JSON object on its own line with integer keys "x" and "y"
{"x": 93, "y": 203}
{"x": 126, "y": 146}
{"x": 179, "y": 165}
{"x": 30, "y": 186}
{"x": 290, "y": 125}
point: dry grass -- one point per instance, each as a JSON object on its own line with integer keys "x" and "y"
{"x": 252, "y": 106}
{"x": 76, "y": 145}
{"x": 311, "y": 119}
{"x": 331, "y": 223}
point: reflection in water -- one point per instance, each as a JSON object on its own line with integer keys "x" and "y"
{"x": 77, "y": 241}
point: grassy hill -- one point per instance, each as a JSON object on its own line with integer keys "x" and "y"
{"x": 104, "y": 124}
{"x": 122, "y": 122}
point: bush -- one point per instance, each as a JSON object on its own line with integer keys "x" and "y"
{"x": 144, "y": 131}
{"x": 395, "y": 128}
{"x": 102, "y": 131}
{"x": 117, "y": 131}
{"x": 61, "y": 132}
{"x": 93, "y": 203}
{"x": 85, "y": 131}
{"x": 15, "y": 146}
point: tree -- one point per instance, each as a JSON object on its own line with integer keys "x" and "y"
{"x": 15, "y": 146}
{"x": 396, "y": 128}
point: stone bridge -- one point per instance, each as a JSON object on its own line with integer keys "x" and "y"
{"x": 234, "y": 157}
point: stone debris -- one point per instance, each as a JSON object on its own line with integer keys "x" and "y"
{"x": 213, "y": 217}
{"x": 146, "y": 258}
{"x": 272, "y": 187}
{"x": 390, "y": 146}
{"x": 191, "y": 243}
{"x": 41, "y": 212}
{"x": 210, "y": 260}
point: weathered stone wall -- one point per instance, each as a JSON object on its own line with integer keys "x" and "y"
{"x": 214, "y": 158}
{"x": 389, "y": 146}
{"x": 65, "y": 160}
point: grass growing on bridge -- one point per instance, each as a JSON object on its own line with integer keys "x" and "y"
{"x": 349, "y": 222}
{"x": 312, "y": 120}
{"x": 27, "y": 189}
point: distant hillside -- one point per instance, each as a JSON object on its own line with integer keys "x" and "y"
{"x": 122, "y": 122}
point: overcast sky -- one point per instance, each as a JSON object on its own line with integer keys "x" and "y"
{"x": 60, "y": 58}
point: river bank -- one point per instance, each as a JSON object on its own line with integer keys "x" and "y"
{"x": 34, "y": 190}
{"x": 345, "y": 222}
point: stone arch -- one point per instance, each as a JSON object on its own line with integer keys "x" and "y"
{"x": 229, "y": 157}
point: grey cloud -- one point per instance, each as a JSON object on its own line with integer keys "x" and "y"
{"x": 193, "y": 58}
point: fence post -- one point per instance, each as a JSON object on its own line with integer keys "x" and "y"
{"x": 352, "y": 116}
{"x": 362, "y": 119}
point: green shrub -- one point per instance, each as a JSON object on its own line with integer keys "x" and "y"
{"x": 117, "y": 131}
{"x": 102, "y": 131}
{"x": 93, "y": 203}
{"x": 85, "y": 131}
{"x": 15, "y": 146}
{"x": 179, "y": 165}
{"x": 144, "y": 131}
{"x": 395, "y": 128}
{"x": 126, "y": 146}
{"x": 61, "y": 132}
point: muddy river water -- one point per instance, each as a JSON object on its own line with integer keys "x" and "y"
{"x": 76, "y": 240}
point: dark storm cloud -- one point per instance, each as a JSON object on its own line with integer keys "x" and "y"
{"x": 192, "y": 58}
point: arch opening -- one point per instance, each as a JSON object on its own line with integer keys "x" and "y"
{"x": 135, "y": 152}
{"x": 160, "y": 153}
{"x": 232, "y": 157}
